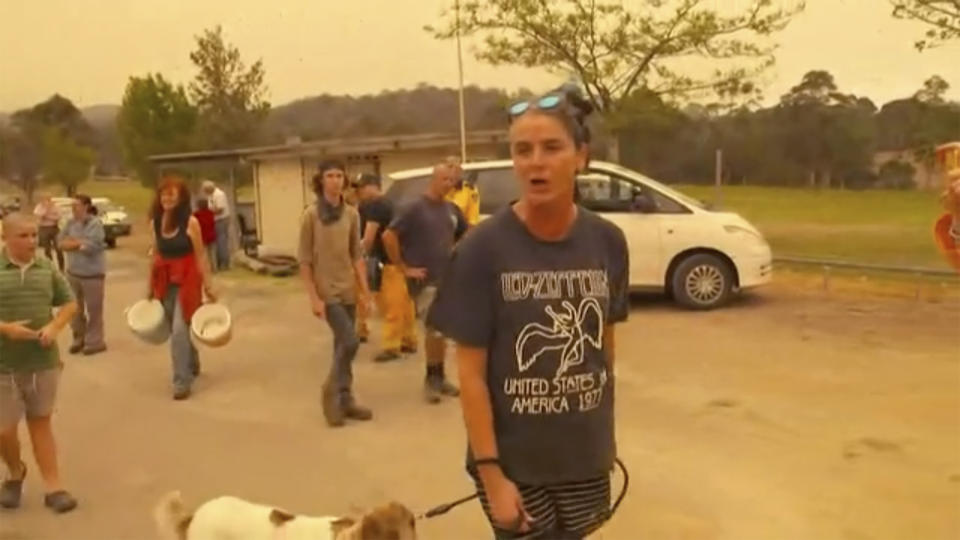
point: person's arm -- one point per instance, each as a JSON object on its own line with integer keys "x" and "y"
{"x": 618, "y": 273}
{"x": 370, "y": 235}
{"x": 200, "y": 254}
{"x": 66, "y": 242}
{"x": 356, "y": 253}
{"x": 305, "y": 257}
{"x": 95, "y": 239}
{"x": 477, "y": 408}
{"x": 62, "y": 299}
{"x": 391, "y": 244}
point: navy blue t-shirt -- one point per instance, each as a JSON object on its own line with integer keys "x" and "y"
{"x": 540, "y": 310}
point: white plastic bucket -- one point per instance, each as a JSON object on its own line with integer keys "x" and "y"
{"x": 146, "y": 319}
{"x": 212, "y": 325}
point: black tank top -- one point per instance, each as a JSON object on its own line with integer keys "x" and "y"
{"x": 178, "y": 245}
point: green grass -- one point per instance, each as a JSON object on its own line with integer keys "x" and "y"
{"x": 880, "y": 227}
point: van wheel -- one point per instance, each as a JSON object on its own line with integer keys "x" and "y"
{"x": 702, "y": 282}
{"x": 111, "y": 242}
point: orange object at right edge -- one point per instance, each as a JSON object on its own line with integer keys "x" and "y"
{"x": 948, "y": 161}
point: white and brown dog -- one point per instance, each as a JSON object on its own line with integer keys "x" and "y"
{"x": 230, "y": 518}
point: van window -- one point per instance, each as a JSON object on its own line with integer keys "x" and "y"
{"x": 604, "y": 192}
{"x": 497, "y": 188}
{"x": 404, "y": 192}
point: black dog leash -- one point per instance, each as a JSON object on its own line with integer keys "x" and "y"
{"x": 444, "y": 508}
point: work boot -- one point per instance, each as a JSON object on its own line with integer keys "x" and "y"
{"x": 90, "y": 351}
{"x": 354, "y": 411}
{"x": 12, "y": 488}
{"x": 332, "y": 410}
{"x": 431, "y": 390}
{"x": 448, "y": 389}
{"x": 76, "y": 347}
{"x": 409, "y": 349}
{"x": 181, "y": 392}
{"x": 60, "y": 502}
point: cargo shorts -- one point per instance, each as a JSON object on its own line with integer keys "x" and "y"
{"x": 30, "y": 394}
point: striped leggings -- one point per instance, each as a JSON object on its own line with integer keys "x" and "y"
{"x": 568, "y": 511}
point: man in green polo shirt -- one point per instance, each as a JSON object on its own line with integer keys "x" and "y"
{"x": 30, "y": 287}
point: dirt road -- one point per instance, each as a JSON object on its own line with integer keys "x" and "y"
{"x": 783, "y": 417}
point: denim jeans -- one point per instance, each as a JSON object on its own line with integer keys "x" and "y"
{"x": 341, "y": 318}
{"x": 223, "y": 243}
{"x": 186, "y": 361}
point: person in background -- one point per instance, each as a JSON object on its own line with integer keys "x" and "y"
{"x": 179, "y": 275}
{"x": 208, "y": 229}
{"x": 418, "y": 242}
{"x": 464, "y": 193}
{"x": 49, "y": 220}
{"x": 331, "y": 267}
{"x": 531, "y": 298}
{"x": 30, "y": 367}
{"x": 83, "y": 240}
{"x": 947, "y": 228}
{"x": 399, "y": 318}
{"x": 217, "y": 200}
{"x": 351, "y": 197}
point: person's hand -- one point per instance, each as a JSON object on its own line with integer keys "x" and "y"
{"x": 211, "y": 290}
{"x": 506, "y": 505}
{"x": 415, "y": 273}
{"x": 366, "y": 299}
{"x": 47, "y": 335}
{"x": 319, "y": 308}
{"x": 17, "y": 330}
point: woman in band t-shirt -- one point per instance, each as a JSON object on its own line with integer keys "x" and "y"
{"x": 531, "y": 296}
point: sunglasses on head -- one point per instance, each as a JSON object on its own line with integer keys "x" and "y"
{"x": 550, "y": 101}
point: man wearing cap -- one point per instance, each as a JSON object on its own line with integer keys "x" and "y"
{"x": 220, "y": 206}
{"x": 386, "y": 279}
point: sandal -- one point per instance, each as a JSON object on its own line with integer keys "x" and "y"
{"x": 11, "y": 490}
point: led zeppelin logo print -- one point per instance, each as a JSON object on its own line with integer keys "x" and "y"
{"x": 560, "y": 367}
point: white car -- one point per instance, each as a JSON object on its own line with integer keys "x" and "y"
{"x": 116, "y": 222}
{"x": 698, "y": 256}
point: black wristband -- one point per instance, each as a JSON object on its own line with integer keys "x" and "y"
{"x": 486, "y": 461}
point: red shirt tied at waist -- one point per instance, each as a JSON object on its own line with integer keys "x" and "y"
{"x": 181, "y": 271}
{"x": 208, "y": 228}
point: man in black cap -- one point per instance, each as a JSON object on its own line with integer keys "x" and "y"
{"x": 386, "y": 280}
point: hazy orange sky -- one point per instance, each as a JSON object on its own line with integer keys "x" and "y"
{"x": 86, "y": 49}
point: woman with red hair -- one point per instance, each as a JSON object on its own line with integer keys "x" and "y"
{"x": 179, "y": 274}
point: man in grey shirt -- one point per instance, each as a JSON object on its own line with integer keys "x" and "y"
{"x": 83, "y": 241}
{"x": 419, "y": 242}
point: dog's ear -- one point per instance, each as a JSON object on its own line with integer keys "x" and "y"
{"x": 279, "y": 517}
{"x": 341, "y": 525}
{"x": 374, "y": 527}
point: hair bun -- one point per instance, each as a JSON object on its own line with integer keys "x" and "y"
{"x": 575, "y": 97}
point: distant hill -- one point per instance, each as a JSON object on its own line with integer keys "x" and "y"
{"x": 100, "y": 116}
{"x": 425, "y": 109}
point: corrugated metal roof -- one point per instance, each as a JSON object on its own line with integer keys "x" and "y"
{"x": 336, "y": 147}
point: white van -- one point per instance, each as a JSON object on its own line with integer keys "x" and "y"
{"x": 678, "y": 246}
